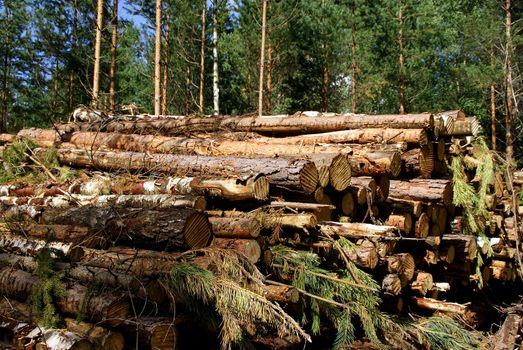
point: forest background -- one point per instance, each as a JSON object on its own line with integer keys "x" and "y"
{"x": 388, "y": 56}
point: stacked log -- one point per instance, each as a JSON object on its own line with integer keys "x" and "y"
{"x": 370, "y": 191}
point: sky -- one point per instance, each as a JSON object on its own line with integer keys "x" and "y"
{"x": 125, "y": 13}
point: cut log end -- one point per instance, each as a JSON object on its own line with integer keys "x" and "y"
{"x": 340, "y": 172}
{"x": 261, "y": 188}
{"x": 197, "y": 231}
{"x": 395, "y": 164}
{"x": 309, "y": 178}
{"x": 323, "y": 176}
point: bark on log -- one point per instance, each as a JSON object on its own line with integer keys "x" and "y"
{"x": 106, "y": 307}
{"x": 376, "y": 164}
{"x": 100, "y": 337}
{"x": 417, "y": 137}
{"x": 429, "y": 190}
{"x": 291, "y": 174}
{"x": 356, "y": 230}
{"x": 180, "y": 228}
{"x": 248, "y": 247}
{"x": 405, "y": 206}
{"x": 306, "y": 122}
{"x": 48, "y": 338}
{"x": 418, "y": 162}
{"x": 507, "y": 336}
{"x": 441, "y": 306}
{"x": 150, "y": 333}
{"x": 323, "y": 212}
{"x": 403, "y": 222}
{"x": 268, "y": 219}
{"x": 383, "y": 189}
{"x": 20, "y": 245}
{"x": 240, "y": 227}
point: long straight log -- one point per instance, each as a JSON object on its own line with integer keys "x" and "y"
{"x": 417, "y": 137}
{"x": 429, "y": 190}
{"x": 441, "y": 306}
{"x": 106, "y": 307}
{"x": 356, "y": 230}
{"x": 32, "y": 246}
{"x": 306, "y": 122}
{"x": 180, "y": 228}
{"x": 235, "y": 227}
{"x": 323, "y": 212}
{"x": 292, "y": 174}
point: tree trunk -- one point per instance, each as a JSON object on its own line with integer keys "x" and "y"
{"x": 282, "y": 125}
{"x": 511, "y": 109}
{"x": 401, "y": 60}
{"x": 112, "y": 71}
{"x": 262, "y": 57}
{"x": 441, "y": 306}
{"x": 290, "y": 174}
{"x": 157, "y": 59}
{"x": 403, "y": 222}
{"x": 268, "y": 104}
{"x": 202, "y": 56}
{"x": 165, "y": 64}
{"x": 70, "y": 84}
{"x": 493, "y": 118}
{"x": 97, "y": 50}
{"x": 323, "y": 212}
{"x": 215, "y": 87}
{"x": 425, "y": 190}
{"x": 354, "y": 65}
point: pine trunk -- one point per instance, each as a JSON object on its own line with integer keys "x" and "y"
{"x": 97, "y": 51}
{"x": 114, "y": 45}
{"x": 430, "y": 190}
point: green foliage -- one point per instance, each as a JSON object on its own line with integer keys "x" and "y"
{"x": 341, "y": 297}
{"x": 235, "y": 304}
{"x": 442, "y": 333}
{"x": 45, "y": 293}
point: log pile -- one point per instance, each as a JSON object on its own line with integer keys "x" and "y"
{"x": 339, "y": 198}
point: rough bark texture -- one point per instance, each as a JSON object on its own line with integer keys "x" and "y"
{"x": 292, "y": 174}
{"x": 430, "y": 190}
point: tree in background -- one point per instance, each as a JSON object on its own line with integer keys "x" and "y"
{"x": 114, "y": 46}
{"x": 97, "y": 52}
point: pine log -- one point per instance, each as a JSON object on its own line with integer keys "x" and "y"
{"x": 447, "y": 254}
{"x": 101, "y": 338}
{"x": 376, "y": 163}
{"x": 466, "y": 127}
{"x": 106, "y": 307}
{"x": 323, "y": 176}
{"x": 403, "y": 222}
{"x": 364, "y": 254}
{"x": 248, "y": 247}
{"x": 291, "y": 174}
{"x": 305, "y": 122}
{"x": 269, "y": 219}
{"x": 418, "y": 162}
{"x": 340, "y": 172}
{"x": 48, "y": 338}
{"x": 391, "y": 284}
{"x": 240, "y": 227}
{"x": 465, "y": 246}
{"x": 415, "y": 208}
{"x": 323, "y": 212}
{"x": 356, "y": 230}
{"x": 183, "y": 227}
{"x": 32, "y": 246}
{"x": 441, "y": 306}
{"x": 402, "y": 264}
{"x": 422, "y": 226}
{"x": 422, "y": 284}
{"x": 150, "y": 333}
{"x": 383, "y": 189}
{"x": 363, "y": 186}
{"x": 427, "y": 190}
{"x": 362, "y": 136}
